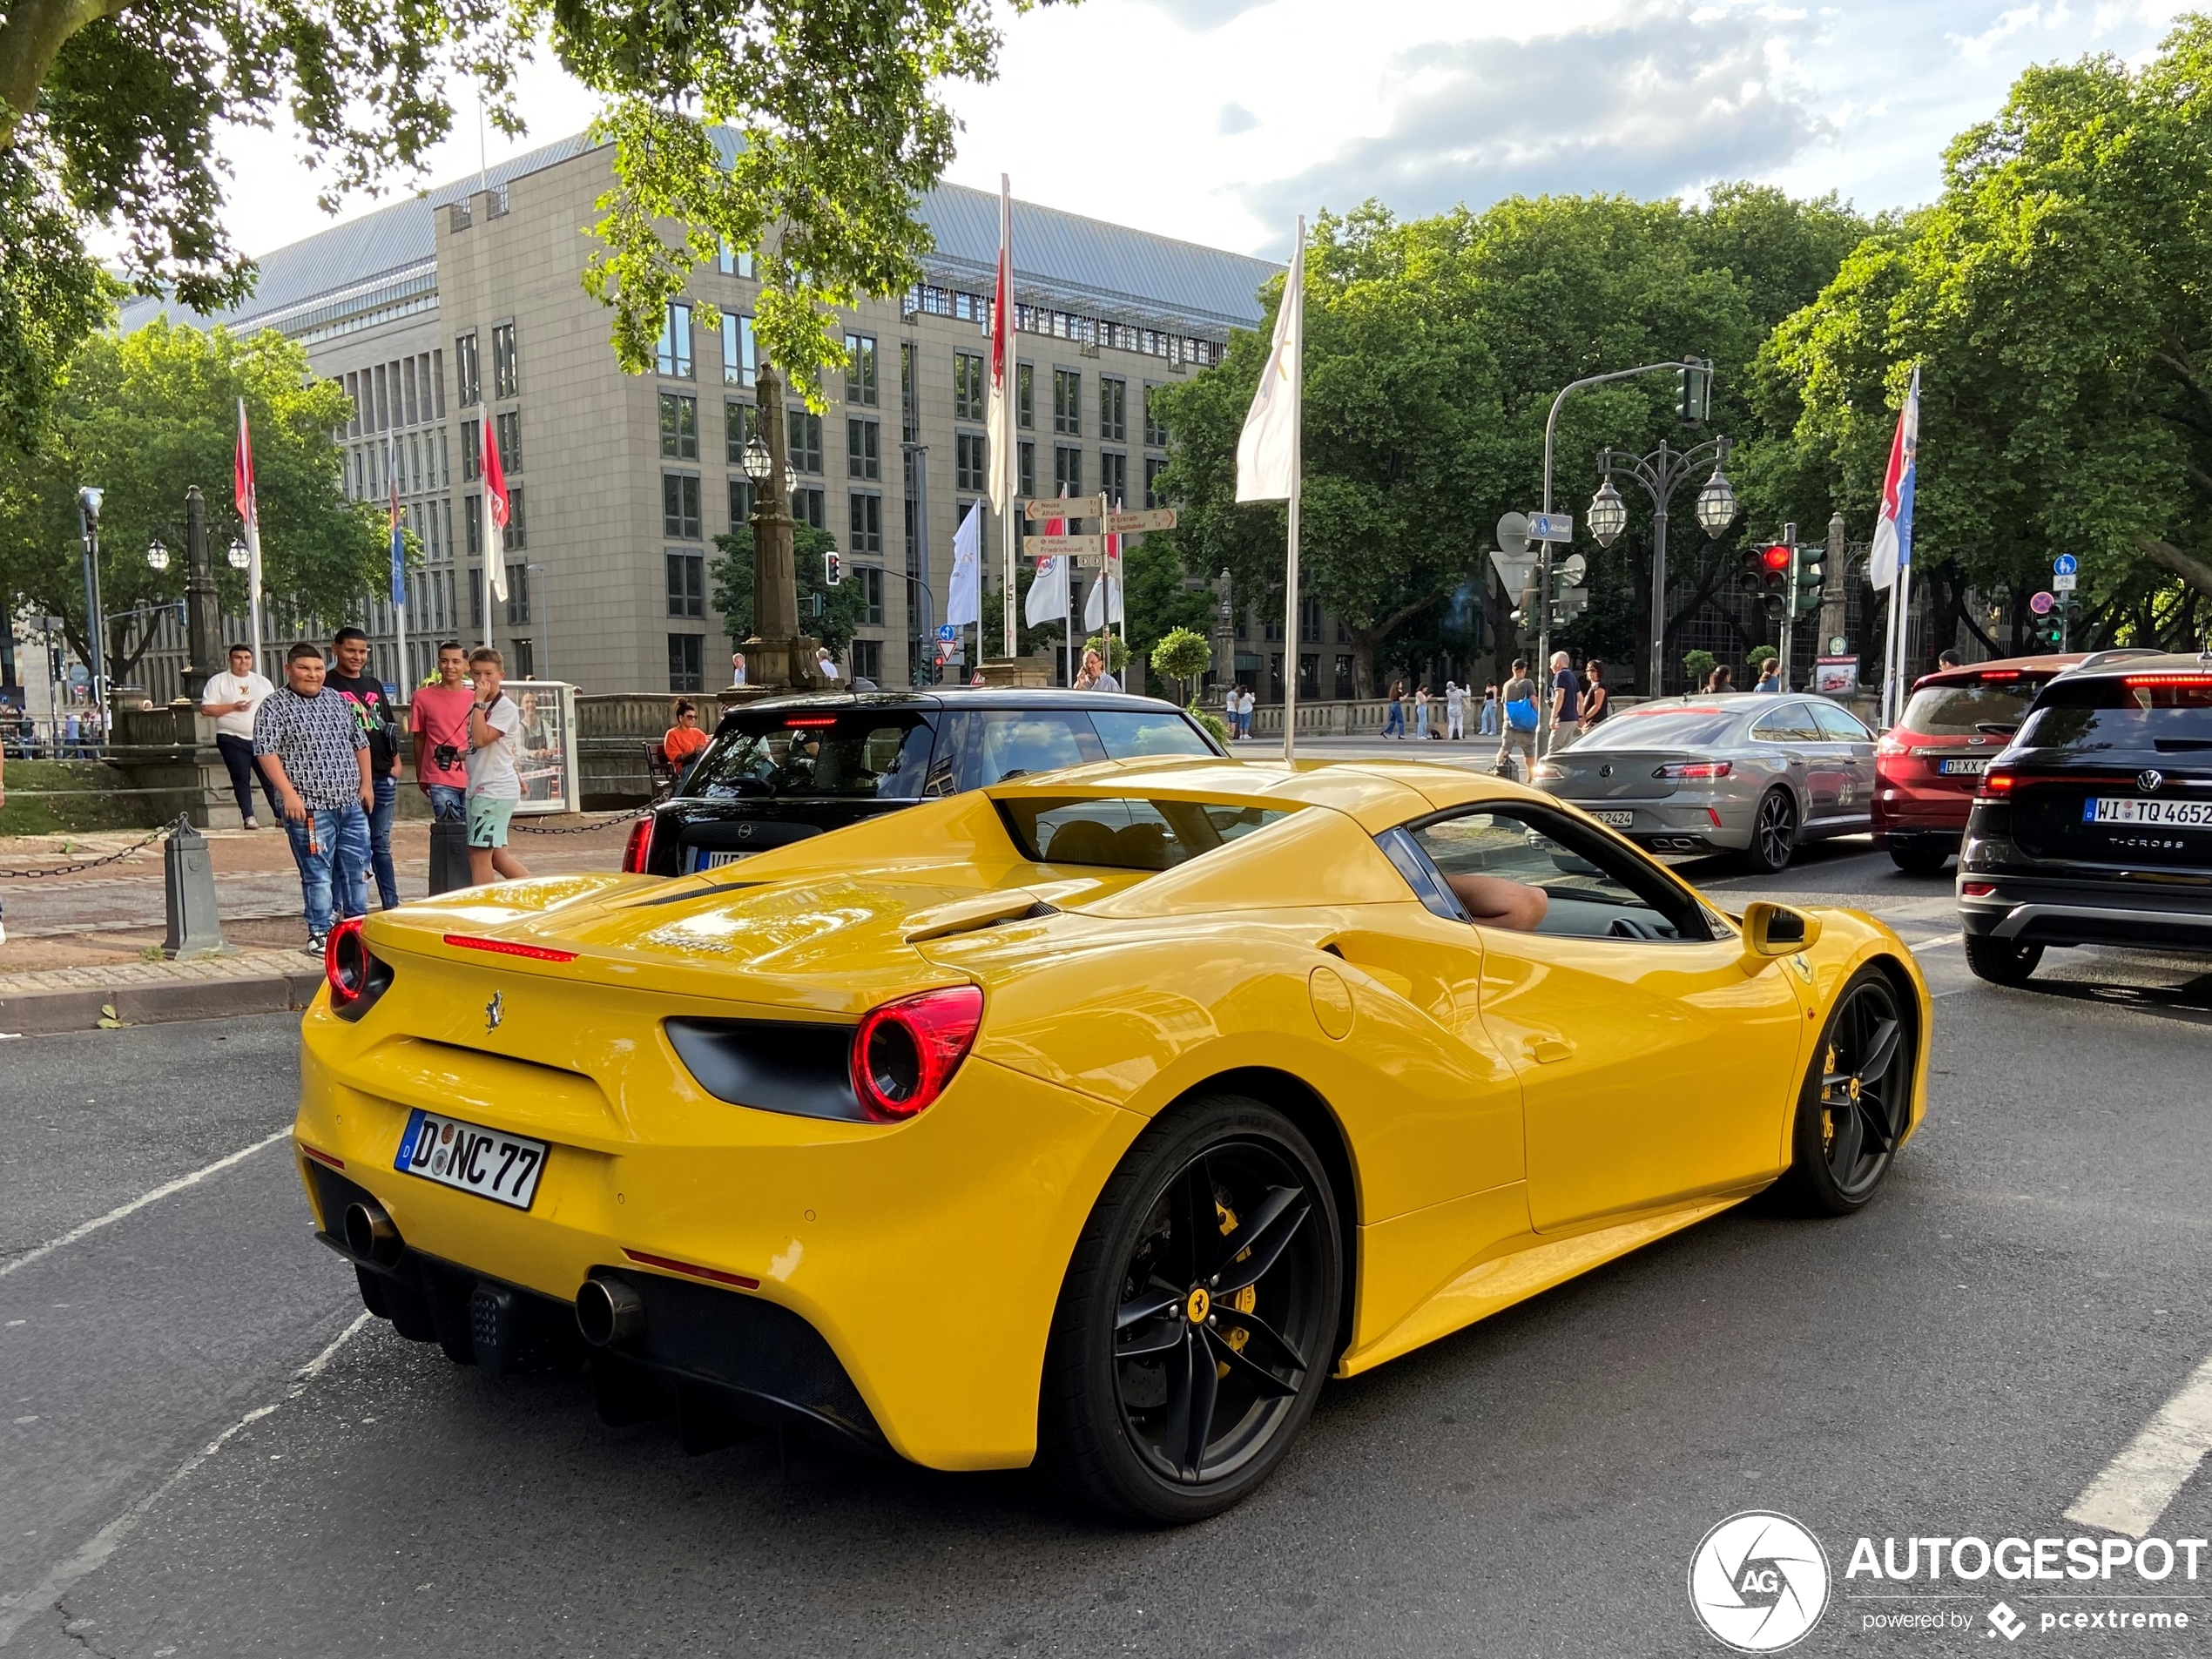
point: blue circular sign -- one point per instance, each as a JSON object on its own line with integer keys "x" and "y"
{"x": 2064, "y": 564}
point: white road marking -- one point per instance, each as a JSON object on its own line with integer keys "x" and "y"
{"x": 2133, "y": 1489}
{"x": 140, "y": 1203}
{"x": 19, "y": 1609}
{"x": 1932, "y": 944}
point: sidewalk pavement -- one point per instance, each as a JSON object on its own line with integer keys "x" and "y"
{"x": 84, "y": 949}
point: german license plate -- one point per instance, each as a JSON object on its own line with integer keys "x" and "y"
{"x": 1618, "y": 820}
{"x": 702, "y": 859}
{"x": 1972, "y": 768}
{"x": 471, "y": 1158}
{"x": 2125, "y": 809}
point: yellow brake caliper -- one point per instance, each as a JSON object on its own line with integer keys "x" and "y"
{"x": 1245, "y": 1300}
{"x": 1827, "y": 1117}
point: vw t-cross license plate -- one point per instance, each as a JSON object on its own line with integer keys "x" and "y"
{"x": 2126, "y": 809}
{"x": 471, "y": 1158}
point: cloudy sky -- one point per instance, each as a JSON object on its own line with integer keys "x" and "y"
{"x": 1220, "y": 120}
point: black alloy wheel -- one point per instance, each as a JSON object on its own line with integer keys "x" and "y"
{"x": 1199, "y": 1316}
{"x": 2003, "y": 961}
{"x": 1774, "y": 833}
{"x": 1857, "y": 1102}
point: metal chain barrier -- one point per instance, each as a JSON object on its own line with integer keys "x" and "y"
{"x": 182, "y": 822}
{"x": 608, "y": 822}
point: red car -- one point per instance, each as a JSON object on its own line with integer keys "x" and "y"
{"x": 1930, "y": 762}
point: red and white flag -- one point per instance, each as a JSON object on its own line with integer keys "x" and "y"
{"x": 249, "y": 518}
{"x": 1000, "y": 412}
{"x": 496, "y": 513}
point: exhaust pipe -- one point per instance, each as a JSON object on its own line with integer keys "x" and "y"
{"x": 370, "y": 1234}
{"x": 608, "y": 1312}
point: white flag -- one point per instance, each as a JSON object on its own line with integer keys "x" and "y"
{"x": 1103, "y": 606}
{"x": 1048, "y": 598}
{"x": 1267, "y": 452}
{"x": 964, "y": 600}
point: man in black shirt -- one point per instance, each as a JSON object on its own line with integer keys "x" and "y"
{"x": 378, "y": 728}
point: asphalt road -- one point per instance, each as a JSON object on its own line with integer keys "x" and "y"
{"x": 1961, "y": 1358}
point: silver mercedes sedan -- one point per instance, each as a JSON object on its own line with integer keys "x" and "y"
{"x": 1741, "y": 773}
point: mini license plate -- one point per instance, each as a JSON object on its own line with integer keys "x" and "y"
{"x": 1972, "y": 768}
{"x": 702, "y": 859}
{"x": 2126, "y": 809}
{"x": 487, "y": 1162}
{"x": 1618, "y": 821}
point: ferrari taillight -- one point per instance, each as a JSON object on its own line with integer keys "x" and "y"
{"x": 640, "y": 846}
{"x": 344, "y": 962}
{"x": 906, "y": 1052}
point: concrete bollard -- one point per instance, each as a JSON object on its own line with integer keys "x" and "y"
{"x": 449, "y": 856}
{"x": 188, "y": 896}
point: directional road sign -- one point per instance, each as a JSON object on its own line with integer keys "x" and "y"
{"x": 1055, "y": 547}
{"x": 2064, "y": 564}
{"x": 948, "y": 631}
{"x": 2063, "y": 581}
{"x": 2040, "y": 603}
{"x": 1072, "y": 507}
{"x": 1157, "y": 518}
{"x": 1551, "y": 527}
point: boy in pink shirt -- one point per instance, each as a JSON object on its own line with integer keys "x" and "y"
{"x": 439, "y": 721}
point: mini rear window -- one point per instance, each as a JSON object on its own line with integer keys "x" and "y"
{"x": 1959, "y": 710}
{"x": 815, "y": 754}
{"x": 1127, "y": 834}
{"x": 2142, "y": 713}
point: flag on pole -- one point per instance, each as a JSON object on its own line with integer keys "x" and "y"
{"x": 964, "y": 599}
{"x": 999, "y": 422}
{"x": 495, "y": 510}
{"x": 399, "y": 541}
{"x": 1102, "y": 607}
{"x": 1267, "y": 450}
{"x": 1049, "y": 599}
{"x": 249, "y": 518}
{"x": 1892, "y": 547}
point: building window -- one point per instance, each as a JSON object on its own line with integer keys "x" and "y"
{"x": 865, "y": 658}
{"x": 1028, "y": 484}
{"x": 740, "y": 501}
{"x": 740, "y": 357}
{"x": 673, "y": 355}
{"x": 525, "y": 658}
{"x": 469, "y": 387}
{"x": 971, "y": 461}
{"x": 686, "y": 584}
{"x": 1113, "y": 478}
{"x": 1309, "y": 622}
{"x": 679, "y": 426}
{"x": 866, "y": 513}
{"x": 472, "y": 451}
{"x": 686, "y": 663}
{"x": 863, "y": 448}
{"x": 516, "y": 536}
{"x": 1153, "y": 468}
{"x": 861, "y": 369}
{"x": 508, "y": 425}
{"x": 1025, "y": 406}
{"x": 1156, "y": 430}
{"x": 804, "y": 432}
{"x": 1067, "y": 470}
{"x": 737, "y": 429}
{"x": 518, "y": 601}
{"x": 1068, "y": 403}
{"x": 679, "y": 504}
{"x": 1113, "y": 410}
{"x": 733, "y": 262}
{"x": 475, "y": 585}
{"x": 870, "y": 576}
{"x": 1309, "y": 676}
{"x": 909, "y": 402}
{"x": 811, "y": 507}
{"x": 1344, "y": 677}
{"x": 506, "y": 374}
{"x": 969, "y": 392}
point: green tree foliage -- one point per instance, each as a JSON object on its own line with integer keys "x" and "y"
{"x": 2055, "y": 297}
{"x": 109, "y": 113}
{"x": 842, "y": 606}
{"x": 1182, "y": 655}
{"x": 145, "y": 416}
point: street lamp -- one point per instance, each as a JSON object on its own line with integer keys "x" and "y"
{"x": 88, "y": 516}
{"x": 1716, "y": 503}
{"x": 1609, "y": 514}
{"x": 759, "y": 464}
{"x": 240, "y": 555}
{"x": 1660, "y": 473}
{"x": 157, "y": 556}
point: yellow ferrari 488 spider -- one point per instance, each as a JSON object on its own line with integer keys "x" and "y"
{"x": 1236, "y": 1076}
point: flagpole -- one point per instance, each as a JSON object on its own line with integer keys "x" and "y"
{"x": 1010, "y": 531}
{"x": 399, "y": 559}
{"x": 1297, "y": 483}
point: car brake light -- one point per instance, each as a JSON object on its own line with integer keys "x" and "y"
{"x": 639, "y": 847}
{"x": 2168, "y": 679}
{"x": 344, "y": 962}
{"x": 1697, "y": 769}
{"x": 2000, "y": 674}
{"x": 906, "y": 1052}
{"x": 1998, "y": 783}
{"x": 811, "y": 719}
{"x": 510, "y": 947}
{"x": 1977, "y": 889}
{"x": 1891, "y": 745}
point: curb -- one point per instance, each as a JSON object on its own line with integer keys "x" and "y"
{"x": 44, "y": 1013}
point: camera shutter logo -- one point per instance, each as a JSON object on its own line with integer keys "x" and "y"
{"x": 1758, "y": 1582}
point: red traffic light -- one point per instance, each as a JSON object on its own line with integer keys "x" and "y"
{"x": 1776, "y": 557}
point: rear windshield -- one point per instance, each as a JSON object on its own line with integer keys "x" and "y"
{"x": 815, "y": 754}
{"x": 1674, "y": 729}
{"x": 1958, "y": 711}
{"x": 985, "y": 746}
{"x": 1127, "y": 834}
{"x": 2150, "y": 713}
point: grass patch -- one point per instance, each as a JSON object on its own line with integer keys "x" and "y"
{"x": 50, "y": 796}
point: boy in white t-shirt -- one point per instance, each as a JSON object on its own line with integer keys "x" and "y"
{"x": 495, "y": 783}
{"x": 232, "y": 698}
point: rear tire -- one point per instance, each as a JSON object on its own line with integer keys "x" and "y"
{"x": 1774, "y": 833}
{"x": 1920, "y": 860}
{"x": 1856, "y": 1103}
{"x": 1152, "y": 1414}
{"x": 2001, "y": 961}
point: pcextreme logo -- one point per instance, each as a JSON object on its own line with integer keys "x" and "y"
{"x": 1758, "y": 1582}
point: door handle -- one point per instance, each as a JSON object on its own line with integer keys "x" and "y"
{"x": 1545, "y": 1050}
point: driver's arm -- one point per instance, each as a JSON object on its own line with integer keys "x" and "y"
{"x": 1495, "y": 903}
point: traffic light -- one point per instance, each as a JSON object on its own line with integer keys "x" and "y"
{"x": 1809, "y": 581}
{"x": 1774, "y": 578}
{"x": 1694, "y": 391}
{"x": 832, "y": 568}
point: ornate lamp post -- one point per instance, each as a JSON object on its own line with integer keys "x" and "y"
{"x": 1659, "y": 473}
{"x": 777, "y": 657}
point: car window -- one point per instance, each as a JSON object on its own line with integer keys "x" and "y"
{"x": 1791, "y": 723}
{"x": 1127, "y": 834}
{"x": 1591, "y": 887}
{"x": 988, "y": 745}
{"x": 1958, "y": 711}
{"x": 1128, "y": 734}
{"x": 1841, "y": 723}
{"x": 1671, "y": 729}
{"x": 2146, "y": 713}
{"x": 809, "y": 753}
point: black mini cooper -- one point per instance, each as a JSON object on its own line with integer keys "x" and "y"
{"x": 781, "y": 769}
{"x": 2095, "y": 828}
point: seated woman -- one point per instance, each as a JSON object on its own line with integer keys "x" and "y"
{"x": 684, "y": 739}
{"x": 1495, "y": 903}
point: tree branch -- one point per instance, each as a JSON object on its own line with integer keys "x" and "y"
{"x": 2171, "y": 559}
{"x": 31, "y": 36}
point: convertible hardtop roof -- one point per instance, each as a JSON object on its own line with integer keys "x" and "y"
{"x": 1377, "y": 794}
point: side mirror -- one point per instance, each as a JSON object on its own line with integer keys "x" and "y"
{"x": 1778, "y": 930}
